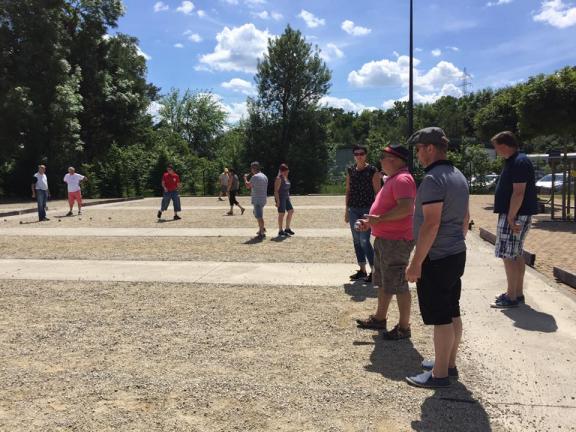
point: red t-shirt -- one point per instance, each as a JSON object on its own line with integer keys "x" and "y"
{"x": 171, "y": 181}
{"x": 400, "y": 185}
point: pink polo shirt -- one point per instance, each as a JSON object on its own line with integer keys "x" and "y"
{"x": 400, "y": 185}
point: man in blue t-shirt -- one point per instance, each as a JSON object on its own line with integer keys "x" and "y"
{"x": 515, "y": 202}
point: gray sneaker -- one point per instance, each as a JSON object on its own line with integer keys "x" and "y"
{"x": 428, "y": 365}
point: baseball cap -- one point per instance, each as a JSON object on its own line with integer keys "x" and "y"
{"x": 398, "y": 151}
{"x": 429, "y": 135}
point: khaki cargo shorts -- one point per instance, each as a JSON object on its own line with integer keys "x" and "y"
{"x": 391, "y": 258}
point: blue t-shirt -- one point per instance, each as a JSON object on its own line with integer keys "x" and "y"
{"x": 517, "y": 169}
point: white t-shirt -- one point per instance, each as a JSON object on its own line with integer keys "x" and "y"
{"x": 73, "y": 181}
{"x": 41, "y": 182}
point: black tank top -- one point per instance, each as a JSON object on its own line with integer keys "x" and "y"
{"x": 361, "y": 189}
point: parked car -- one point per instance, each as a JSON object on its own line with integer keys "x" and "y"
{"x": 486, "y": 182}
{"x": 544, "y": 185}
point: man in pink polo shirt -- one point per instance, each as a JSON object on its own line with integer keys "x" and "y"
{"x": 390, "y": 220}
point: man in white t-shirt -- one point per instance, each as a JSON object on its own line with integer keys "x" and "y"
{"x": 73, "y": 180}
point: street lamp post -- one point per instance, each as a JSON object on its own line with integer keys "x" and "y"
{"x": 411, "y": 87}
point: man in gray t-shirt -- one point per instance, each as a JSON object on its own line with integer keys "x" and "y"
{"x": 440, "y": 225}
{"x": 258, "y": 185}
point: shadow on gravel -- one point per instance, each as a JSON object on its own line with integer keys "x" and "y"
{"x": 526, "y": 318}
{"x": 395, "y": 360}
{"x": 359, "y": 291}
{"x": 279, "y": 239}
{"x": 555, "y": 226}
{"x": 254, "y": 240}
{"x": 452, "y": 409}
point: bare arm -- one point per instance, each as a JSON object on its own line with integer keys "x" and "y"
{"x": 427, "y": 235}
{"x": 518, "y": 190}
{"x": 404, "y": 207}
{"x": 277, "y": 184}
{"x": 377, "y": 182}
{"x": 164, "y": 186}
{"x": 247, "y": 182}
{"x": 33, "y": 190}
{"x": 466, "y": 222}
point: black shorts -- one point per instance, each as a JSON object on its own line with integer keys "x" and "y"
{"x": 439, "y": 289}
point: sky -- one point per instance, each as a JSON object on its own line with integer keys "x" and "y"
{"x": 214, "y": 45}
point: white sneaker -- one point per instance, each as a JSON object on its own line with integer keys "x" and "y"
{"x": 428, "y": 364}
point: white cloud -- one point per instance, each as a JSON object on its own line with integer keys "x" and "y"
{"x": 201, "y": 13}
{"x": 354, "y": 30}
{"x": 331, "y": 52}
{"x": 154, "y": 110}
{"x": 240, "y": 85}
{"x": 498, "y": 3}
{"x": 238, "y": 49}
{"x": 311, "y": 20}
{"x": 186, "y": 7}
{"x": 160, "y": 7}
{"x": 265, "y": 15}
{"x": 557, "y": 14}
{"x": 436, "y": 52}
{"x": 235, "y": 111}
{"x": 253, "y": 3}
{"x": 178, "y": 45}
{"x": 344, "y": 103}
{"x": 453, "y": 48}
{"x": 418, "y": 49}
{"x": 192, "y": 37}
{"x": 143, "y": 54}
{"x": 232, "y": 2}
{"x": 396, "y": 73}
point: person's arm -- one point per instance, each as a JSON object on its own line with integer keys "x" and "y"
{"x": 377, "y": 182}
{"x": 34, "y": 188}
{"x": 404, "y": 207}
{"x": 247, "y": 182}
{"x": 518, "y": 191}
{"x": 277, "y": 184}
{"x": 466, "y": 225}
{"x": 428, "y": 231}
{"x": 84, "y": 178}
{"x": 346, "y": 216}
{"x": 164, "y": 186}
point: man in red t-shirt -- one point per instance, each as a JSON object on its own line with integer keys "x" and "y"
{"x": 390, "y": 220}
{"x": 170, "y": 186}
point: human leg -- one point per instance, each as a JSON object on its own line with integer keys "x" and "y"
{"x": 41, "y": 196}
{"x": 354, "y": 215}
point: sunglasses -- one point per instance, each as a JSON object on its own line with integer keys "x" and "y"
{"x": 359, "y": 154}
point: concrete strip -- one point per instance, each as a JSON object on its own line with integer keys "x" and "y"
{"x": 296, "y": 274}
{"x": 161, "y": 232}
{"x": 222, "y": 208}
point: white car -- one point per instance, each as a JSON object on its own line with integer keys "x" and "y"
{"x": 545, "y": 183}
{"x": 487, "y": 182}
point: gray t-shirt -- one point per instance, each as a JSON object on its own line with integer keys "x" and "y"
{"x": 259, "y": 190}
{"x": 444, "y": 183}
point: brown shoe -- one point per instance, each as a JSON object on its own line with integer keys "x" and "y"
{"x": 397, "y": 333}
{"x": 371, "y": 323}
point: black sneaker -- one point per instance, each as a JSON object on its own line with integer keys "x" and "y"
{"x": 426, "y": 380}
{"x": 397, "y": 333}
{"x": 358, "y": 275}
{"x": 176, "y": 217}
{"x": 368, "y": 278}
{"x": 45, "y": 220}
{"x": 159, "y": 214}
{"x": 520, "y": 299}
{"x": 371, "y": 323}
{"x": 69, "y": 213}
{"x": 289, "y": 231}
{"x": 79, "y": 212}
{"x": 282, "y": 234}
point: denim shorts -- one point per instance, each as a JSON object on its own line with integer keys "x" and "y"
{"x": 258, "y": 210}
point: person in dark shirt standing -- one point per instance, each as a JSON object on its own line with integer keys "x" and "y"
{"x": 170, "y": 186}
{"x": 363, "y": 182}
{"x": 515, "y": 202}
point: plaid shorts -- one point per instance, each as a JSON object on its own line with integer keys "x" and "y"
{"x": 390, "y": 261}
{"x": 510, "y": 245}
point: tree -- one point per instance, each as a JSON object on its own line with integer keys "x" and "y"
{"x": 291, "y": 79}
{"x": 197, "y": 117}
{"x": 500, "y": 114}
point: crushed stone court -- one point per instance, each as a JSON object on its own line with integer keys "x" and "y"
{"x": 115, "y": 321}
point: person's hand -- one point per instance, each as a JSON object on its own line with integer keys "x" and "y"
{"x": 364, "y": 225}
{"x": 346, "y": 216}
{"x": 165, "y": 190}
{"x": 514, "y": 225}
{"x": 33, "y": 196}
{"x": 372, "y": 219}
{"x": 276, "y": 204}
{"x": 413, "y": 272}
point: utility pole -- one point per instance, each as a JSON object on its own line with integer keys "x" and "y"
{"x": 411, "y": 87}
{"x": 466, "y": 82}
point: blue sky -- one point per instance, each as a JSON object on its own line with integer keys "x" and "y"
{"x": 214, "y": 45}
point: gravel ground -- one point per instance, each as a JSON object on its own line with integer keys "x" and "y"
{"x": 128, "y": 356}
{"x": 294, "y": 249}
{"x": 243, "y": 199}
{"x": 304, "y": 218}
